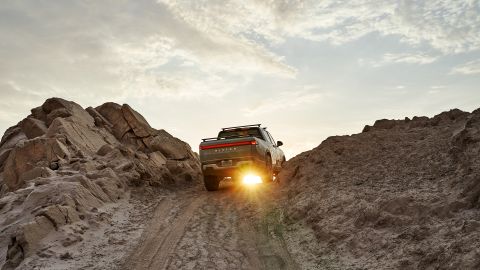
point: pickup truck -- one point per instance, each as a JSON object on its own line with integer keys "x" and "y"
{"x": 247, "y": 153}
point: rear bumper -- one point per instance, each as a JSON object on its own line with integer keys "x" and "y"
{"x": 238, "y": 167}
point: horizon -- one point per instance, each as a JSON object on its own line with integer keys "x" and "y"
{"x": 305, "y": 70}
{"x": 195, "y": 149}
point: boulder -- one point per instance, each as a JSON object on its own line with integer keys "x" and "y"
{"x": 84, "y": 198}
{"x": 94, "y": 189}
{"x": 36, "y": 172}
{"x": 111, "y": 187}
{"x": 129, "y": 138}
{"x": 105, "y": 149}
{"x": 30, "y": 234}
{"x": 419, "y": 121}
{"x": 39, "y": 114}
{"x": 60, "y": 113}
{"x": 9, "y": 140}
{"x": 78, "y": 134}
{"x": 57, "y": 107}
{"x": 107, "y": 172}
{"x": 11, "y": 137}
{"x": 385, "y": 124}
{"x": 63, "y": 190}
{"x": 59, "y": 215}
{"x": 157, "y": 158}
{"x": 26, "y": 156}
{"x": 169, "y": 146}
{"x": 113, "y": 113}
{"x": 100, "y": 121}
{"x": 367, "y": 128}
{"x": 138, "y": 124}
{"x": 32, "y": 127}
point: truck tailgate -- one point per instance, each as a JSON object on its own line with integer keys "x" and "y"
{"x": 225, "y": 149}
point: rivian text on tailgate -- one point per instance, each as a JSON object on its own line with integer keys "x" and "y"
{"x": 244, "y": 153}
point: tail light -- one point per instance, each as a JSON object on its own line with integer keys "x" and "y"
{"x": 220, "y": 145}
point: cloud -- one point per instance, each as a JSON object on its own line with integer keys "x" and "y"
{"x": 408, "y": 58}
{"x": 181, "y": 85}
{"x": 435, "y": 89}
{"x": 469, "y": 68}
{"x": 284, "y": 101}
{"x": 399, "y": 58}
{"x": 446, "y": 26}
{"x": 117, "y": 50}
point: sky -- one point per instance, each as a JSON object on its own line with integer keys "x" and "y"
{"x": 305, "y": 69}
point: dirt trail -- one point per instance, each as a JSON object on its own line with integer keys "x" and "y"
{"x": 234, "y": 228}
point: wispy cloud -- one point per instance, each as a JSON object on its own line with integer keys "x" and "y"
{"x": 181, "y": 85}
{"x": 117, "y": 53}
{"x": 469, "y": 68}
{"x": 408, "y": 58}
{"x": 435, "y": 89}
{"x": 284, "y": 101}
{"x": 447, "y": 26}
{"x": 399, "y": 58}
{"x": 107, "y": 44}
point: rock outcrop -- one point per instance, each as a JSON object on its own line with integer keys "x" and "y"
{"x": 403, "y": 194}
{"x": 63, "y": 162}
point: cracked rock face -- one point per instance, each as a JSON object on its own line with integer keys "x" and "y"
{"x": 61, "y": 163}
{"x": 403, "y": 194}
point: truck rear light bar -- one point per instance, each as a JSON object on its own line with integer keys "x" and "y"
{"x": 220, "y": 145}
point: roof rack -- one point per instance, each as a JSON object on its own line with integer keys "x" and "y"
{"x": 210, "y": 139}
{"x": 229, "y": 128}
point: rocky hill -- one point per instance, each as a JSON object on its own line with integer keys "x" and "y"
{"x": 62, "y": 163}
{"x": 403, "y": 194}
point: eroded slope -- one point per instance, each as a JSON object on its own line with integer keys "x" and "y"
{"x": 402, "y": 194}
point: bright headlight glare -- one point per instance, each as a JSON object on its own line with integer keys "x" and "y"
{"x": 251, "y": 179}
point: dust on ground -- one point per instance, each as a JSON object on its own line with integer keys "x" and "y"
{"x": 234, "y": 228}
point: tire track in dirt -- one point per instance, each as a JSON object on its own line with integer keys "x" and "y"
{"x": 173, "y": 235}
{"x": 234, "y": 228}
{"x": 211, "y": 240}
{"x": 191, "y": 248}
{"x": 246, "y": 229}
{"x": 265, "y": 227}
{"x": 165, "y": 230}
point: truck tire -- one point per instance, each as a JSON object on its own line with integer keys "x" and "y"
{"x": 282, "y": 163}
{"x": 268, "y": 169}
{"x": 211, "y": 182}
